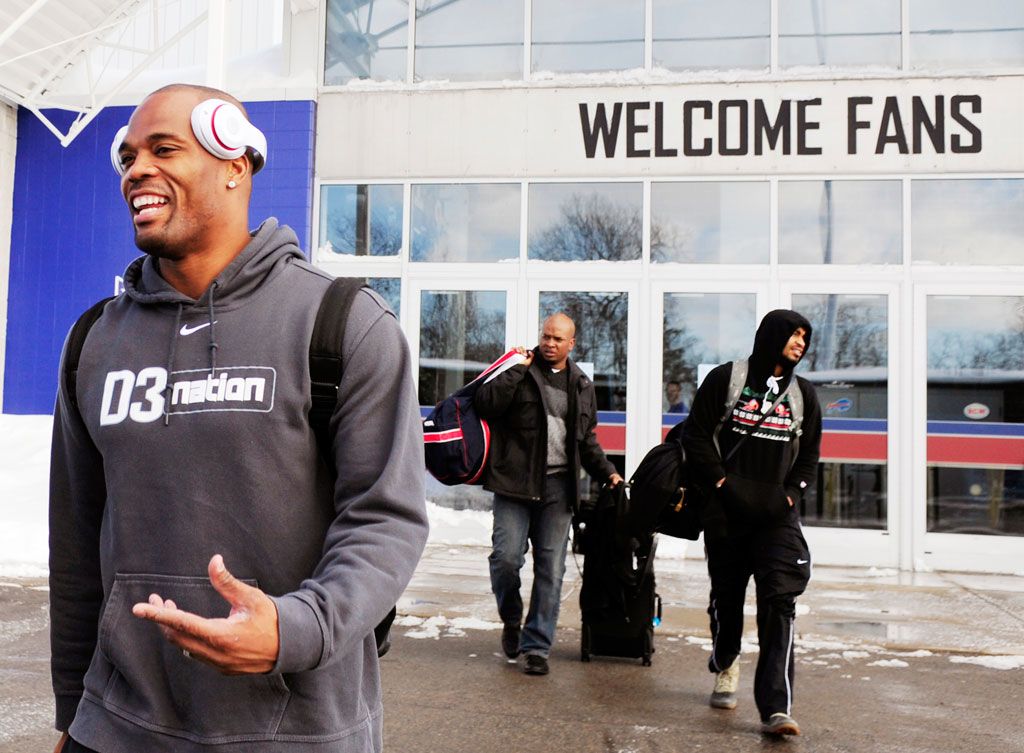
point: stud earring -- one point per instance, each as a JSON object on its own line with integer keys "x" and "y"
{"x": 231, "y": 184}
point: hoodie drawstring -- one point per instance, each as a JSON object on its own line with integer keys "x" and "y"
{"x": 170, "y": 365}
{"x": 773, "y": 388}
{"x": 213, "y": 342}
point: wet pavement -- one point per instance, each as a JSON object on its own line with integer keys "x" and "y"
{"x": 886, "y": 661}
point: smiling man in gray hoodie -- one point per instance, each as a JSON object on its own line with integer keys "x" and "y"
{"x": 214, "y": 583}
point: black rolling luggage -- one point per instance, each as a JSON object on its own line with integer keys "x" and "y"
{"x": 617, "y": 600}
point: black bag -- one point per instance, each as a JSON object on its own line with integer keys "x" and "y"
{"x": 617, "y": 599}
{"x": 662, "y": 497}
{"x": 325, "y": 370}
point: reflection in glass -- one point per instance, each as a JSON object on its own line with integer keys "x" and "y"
{"x": 361, "y": 220}
{"x": 979, "y": 33}
{"x": 840, "y": 222}
{"x": 598, "y": 35}
{"x": 469, "y": 40}
{"x": 823, "y": 32}
{"x": 461, "y": 333}
{"x": 717, "y": 223}
{"x": 848, "y": 364}
{"x": 585, "y": 221}
{"x": 465, "y": 222}
{"x": 390, "y": 289}
{"x": 703, "y": 329}
{"x": 976, "y": 414}
{"x": 698, "y": 35}
{"x": 601, "y": 325}
{"x": 365, "y": 40}
{"x": 967, "y": 221}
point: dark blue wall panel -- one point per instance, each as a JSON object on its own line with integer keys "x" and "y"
{"x": 72, "y": 235}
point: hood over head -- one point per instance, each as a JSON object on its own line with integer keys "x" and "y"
{"x": 770, "y": 340}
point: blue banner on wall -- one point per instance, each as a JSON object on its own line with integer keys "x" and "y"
{"x": 71, "y": 234}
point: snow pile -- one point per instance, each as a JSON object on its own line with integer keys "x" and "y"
{"x": 992, "y": 662}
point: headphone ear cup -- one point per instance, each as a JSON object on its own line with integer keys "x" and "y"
{"x": 223, "y": 131}
{"x": 115, "y": 148}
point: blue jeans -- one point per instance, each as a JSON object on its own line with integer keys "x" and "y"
{"x": 545, "y": 525}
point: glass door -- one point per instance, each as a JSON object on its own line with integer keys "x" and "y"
{"x": 972, "y": 358}
{"x": 847, "y": 514}
{"x": 457, "y": 329}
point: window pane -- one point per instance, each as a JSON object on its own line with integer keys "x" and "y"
{"x": 967, "y": 221}
{"x": 825, "y": 32}
{"x": 581, "y": 221}
{"x": 598, "y": 35}
{"x": 696, "y": 34}
{"x": 848, "y": 364}
{"x": 365, "y": 40}
{"x": 716, "y": 223}
{"x": 361, "y": 220}
{"x": 947, "y": 33}
{"x": 840, "y": 222}
{"x": 470, "y": 40}
{"x": 976, "y": 414}
{"x": 701, "y": 330}
{"x": 390, "y": 289}
{"x": 461, "y": 333}
{"x": 465, "y": 222}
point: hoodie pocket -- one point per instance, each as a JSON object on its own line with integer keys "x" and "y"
{"x": 748, "y": 501}
{"x": 155, "y": 686}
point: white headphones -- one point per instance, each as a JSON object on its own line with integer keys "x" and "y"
{"x": 221, "y": 129}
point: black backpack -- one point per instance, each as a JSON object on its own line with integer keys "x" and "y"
{"x": 325, "y": 370}
{"x": 662, "y": 497}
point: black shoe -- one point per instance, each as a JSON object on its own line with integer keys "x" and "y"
{"x": 535, "y": 665}
{"x": 510, "y": 640}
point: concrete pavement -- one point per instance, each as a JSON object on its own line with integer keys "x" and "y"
{"x": 885, "y": 662}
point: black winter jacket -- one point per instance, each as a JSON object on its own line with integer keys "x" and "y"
{"x": 513, "y": 404}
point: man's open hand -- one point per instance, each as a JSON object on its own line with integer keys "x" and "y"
{"x": 244, "y": 642}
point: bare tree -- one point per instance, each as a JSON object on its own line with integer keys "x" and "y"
{"x": 591, "y": 227}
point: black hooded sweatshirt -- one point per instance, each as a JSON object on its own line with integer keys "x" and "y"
{"x": 770, "y": 456}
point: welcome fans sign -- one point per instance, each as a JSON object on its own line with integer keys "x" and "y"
{"x": 849, "y": 126}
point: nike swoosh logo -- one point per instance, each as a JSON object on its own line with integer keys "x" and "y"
{"x": 187, "y": 330}
{"x": 801, "y": 562}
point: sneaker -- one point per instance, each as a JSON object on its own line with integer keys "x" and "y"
{"x": 535, "y": 665}
{"x": 780, "y": 724}
{"x": 510, "y": 640}
{"x": 726, "y": 682}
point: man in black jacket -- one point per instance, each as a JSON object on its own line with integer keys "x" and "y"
{"x": 751, "y": 522}
{"x": 543, "y": 413}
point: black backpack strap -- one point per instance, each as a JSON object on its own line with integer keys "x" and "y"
{"x": 325, "y": 370}
{"x": 325, "y": 362}
{"x": 73, "y": 350}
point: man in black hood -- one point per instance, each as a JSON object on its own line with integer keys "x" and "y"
{"x": 752, "y": 438}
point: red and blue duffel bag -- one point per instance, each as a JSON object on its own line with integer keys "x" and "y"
{"x": 456, "y": 440}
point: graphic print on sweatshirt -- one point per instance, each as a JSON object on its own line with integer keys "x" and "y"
{"x": 747, "y": 413}
{"x": 143, "y": 396}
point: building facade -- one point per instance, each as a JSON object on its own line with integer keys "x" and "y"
{"x": 666, "y": 172}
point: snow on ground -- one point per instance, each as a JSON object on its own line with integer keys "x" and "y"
{"x": 992, "y": 662}
{"x": 24, "y": 464}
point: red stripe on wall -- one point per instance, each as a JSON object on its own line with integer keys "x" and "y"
{"x": 984, "y": 451}
{"x": 853, "y": 447}
{"x": 611, "y": 437}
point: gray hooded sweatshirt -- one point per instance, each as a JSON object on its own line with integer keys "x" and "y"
{"x": 191, "y": 438}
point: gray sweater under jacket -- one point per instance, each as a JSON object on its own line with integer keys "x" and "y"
{"x": 192, "y": 439}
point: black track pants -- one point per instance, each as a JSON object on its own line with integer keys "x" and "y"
{"x": 780, "y": 562}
